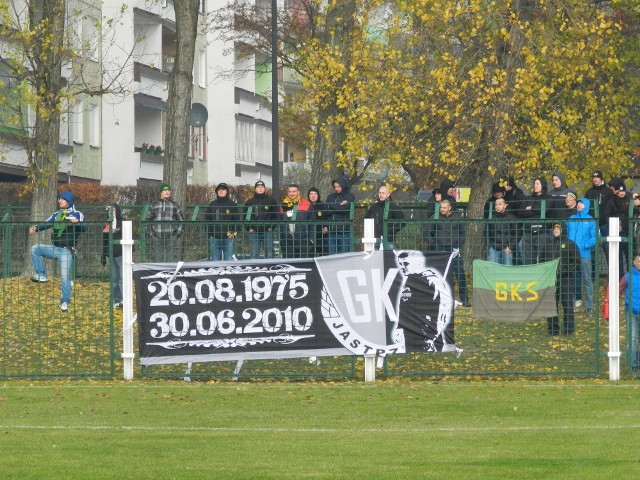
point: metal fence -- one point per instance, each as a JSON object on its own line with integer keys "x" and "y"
{"x": 40, "y": 340}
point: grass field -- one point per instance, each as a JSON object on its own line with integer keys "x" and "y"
{"x": 347, "y": 430}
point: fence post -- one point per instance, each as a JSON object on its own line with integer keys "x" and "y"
{"x": 614, "y": 299}
{"x": 369, "y": 242}
{"x": 127, "y": 300}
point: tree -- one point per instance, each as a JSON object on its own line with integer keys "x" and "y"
{"x": 36, "y": 47}
{"x": 179, "y": 100}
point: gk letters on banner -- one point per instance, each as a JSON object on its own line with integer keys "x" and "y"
{"x": 357, "y": 303}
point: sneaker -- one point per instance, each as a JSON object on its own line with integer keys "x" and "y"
{"x": 589, "y": 311}
{"x": 117, "y": 305}
{"x": 64, "y": 306}
{"x": 578, "y": 303}
{"x": 39, "y": 278}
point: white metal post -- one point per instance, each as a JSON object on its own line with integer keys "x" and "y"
{"x": 369, "y": 242}
{"x": 614, "y": 300}
{"x": 127, "y": 300}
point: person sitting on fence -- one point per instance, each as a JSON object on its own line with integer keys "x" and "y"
{"x": 115, "y": 215}
{"x": 164, "y": 235}
{"x": 221, "y": 235}
{"x": 64, "y": 236}
{"x": 396, "y": 216}
{"x": 263, "y": 209}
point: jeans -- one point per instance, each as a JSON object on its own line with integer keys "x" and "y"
{"x": 498, "y": 256}
{"x": 264, "y": 239}
{"x": 339, "y": 242}
{"x": 221, "y": 247}
{"x": 63, "y": 256}
{"x": 584, "y": 277}
{"x": 164, "y": 247}
{"x": 116, "y": 279}
{"x": 635, "y": 325}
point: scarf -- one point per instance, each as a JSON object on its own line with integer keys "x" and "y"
{"x": 289, "y": 202}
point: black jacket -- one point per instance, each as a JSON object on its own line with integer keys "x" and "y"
{"x": 224, "y": 212}
{"x": 263, "y": 209}
{"x": 376, "y": 211}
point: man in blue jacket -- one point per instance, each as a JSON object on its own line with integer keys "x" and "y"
{"x": 581, "y": 229}
{"x": 65, "y": 232}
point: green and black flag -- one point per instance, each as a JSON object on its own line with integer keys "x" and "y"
{"x": 514, "y": 293}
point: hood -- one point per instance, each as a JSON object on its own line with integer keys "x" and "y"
{"x": 562, "y": 177}
{"x": 585, "y": 212}
{"x": 68, "y": 196}
{"x": 445, "y": 185}
{"x": 543, "y": 182}
{"x": 495, "y": 188}
{"x": 343, "y": 182}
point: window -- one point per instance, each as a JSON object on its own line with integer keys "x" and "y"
{"x": 202, "y": 78}
{"x": 94, "y": 125}
{"x": 198, "y": 143}
{"x": 202, "y": 6}
{"x": 78, "y": 122}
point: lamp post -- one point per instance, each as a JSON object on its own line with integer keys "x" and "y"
{"x": 275, "y": 134}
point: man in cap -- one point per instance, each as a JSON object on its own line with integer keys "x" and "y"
{"x": 223, "y": 213}
{"x": 621, "y": 201}
{"x": 64, "y": 222}
{"x": 165, "y": 234}
{"x": 601, "y": 198}
{"x": 262, "y": 209}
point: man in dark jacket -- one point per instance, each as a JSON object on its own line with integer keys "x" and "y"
{"x": 338, "y": 209}
{"x": 114, "y": 213}
{"x": 535, "y": 231}
{"x": 621, "y": 200}
{"x": 560, "y": 247}
{"x": 601, "y": 198}
{"x": 502, "y": 234}
{"x": 264, "y": 209}
{"x": 394, "y": 220}
{"x": 223, "y": 212}
{"x": 64, "y": 222}
{"x": 447, "y": 234}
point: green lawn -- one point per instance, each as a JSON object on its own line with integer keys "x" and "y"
{"x": 392, "y": 429}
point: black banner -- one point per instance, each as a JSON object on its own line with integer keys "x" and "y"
{"x": 379, "y": 303}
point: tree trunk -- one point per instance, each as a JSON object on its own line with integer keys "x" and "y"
{"x": 48, "y": 24}
{"x": 179, "y": 101}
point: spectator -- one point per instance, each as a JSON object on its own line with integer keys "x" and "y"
{"x": 64, "y": 222}
{"x": 221, "y": 235}
{"x": 264, "y": 209}
{"x": 536, "y": 231}
{"x": 294, "y": 236}
{"x": 560, "y": 247}
{"x": 497, "y": 191}
{"x": 557, "y": 194}
{"x": 514, "y": 195}
{"x": 502, "y": 236}
{"x": 114, "y": 213}
{"x": 338, "y": 210}
{"x": 581, "y": 230}
{"x": 568, "y": 208}
{"x": 395, "y": 217}
{"x": 165, "y": 234}
{"x": 601, "y": 198}
{"x": 630, "y": 284}
{"x": 315, "y": 231}
{"x": 448, "y": 235}
{"x": 621, "y": 201}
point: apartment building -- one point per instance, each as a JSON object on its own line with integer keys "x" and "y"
{"x": 119, "y": 138}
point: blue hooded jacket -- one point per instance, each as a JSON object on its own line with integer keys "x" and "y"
{"x": 581, "y": 229}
